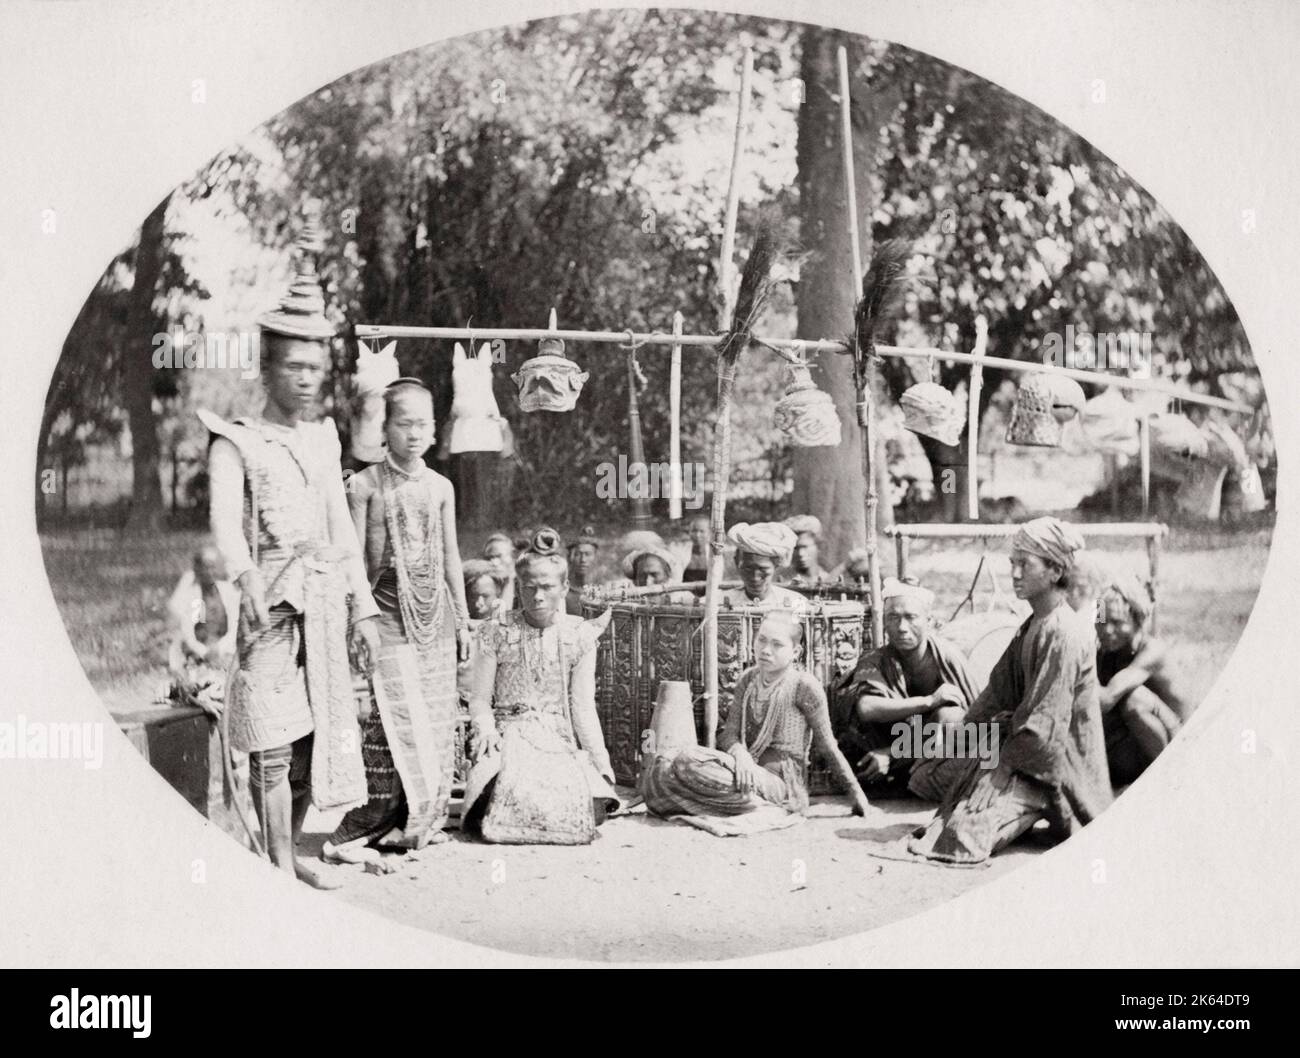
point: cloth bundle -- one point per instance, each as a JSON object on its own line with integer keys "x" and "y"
{"x": 931, "y": 410}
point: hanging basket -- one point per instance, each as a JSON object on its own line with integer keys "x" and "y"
{"x": 932, "y": 411}
{"x": 1043, "y": 404}
{"x": 806, "y": 415}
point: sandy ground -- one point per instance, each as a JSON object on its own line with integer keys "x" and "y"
{"x": 649, "y": 889}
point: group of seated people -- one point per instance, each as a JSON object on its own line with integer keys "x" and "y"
{"x": 771, "y": 559}
{"x": 1081, "y": 700}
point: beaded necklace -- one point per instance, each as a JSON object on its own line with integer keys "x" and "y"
{"x": 413, "y": 531}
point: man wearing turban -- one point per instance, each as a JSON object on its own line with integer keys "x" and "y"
{"x": 805, "y": 564}
{"x": 915, "y": 675}
{"x": 1042, "y": 695}
{"x": 761, "y": 550}
{"x": 1140, "y": 709}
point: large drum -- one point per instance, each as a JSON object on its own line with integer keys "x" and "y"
{"x": 649, "y": 640}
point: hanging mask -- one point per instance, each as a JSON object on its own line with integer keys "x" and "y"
{"x": 550, "y": 381}
{"x": 806, "y": 414}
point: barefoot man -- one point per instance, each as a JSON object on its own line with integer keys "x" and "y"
{"x": 280, "y": 520}
{"x": 1042, "y": 695}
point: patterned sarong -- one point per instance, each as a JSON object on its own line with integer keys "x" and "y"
{"x": 408, "y": 742}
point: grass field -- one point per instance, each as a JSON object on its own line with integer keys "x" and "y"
{"x": 112, "y": 592}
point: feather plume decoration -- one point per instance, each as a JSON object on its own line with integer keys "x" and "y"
{"x": 756, "y": 283}
{"x": 883, "y": 288}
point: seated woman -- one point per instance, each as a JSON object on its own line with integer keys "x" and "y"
{"x": 539, "y": 770}
{"x": 1140, "y": 709}
{"x": 778, "y": 713}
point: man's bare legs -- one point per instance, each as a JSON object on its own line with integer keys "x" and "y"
{"x": 280, "y": 781}
{"x": 1149, "y": 720}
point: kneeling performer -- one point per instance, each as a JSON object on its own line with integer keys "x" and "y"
{"x": 777, "y": 713}
{"x": 539, "y": 770}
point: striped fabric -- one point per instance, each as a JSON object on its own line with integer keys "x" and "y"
{"x": 408, "y": 742}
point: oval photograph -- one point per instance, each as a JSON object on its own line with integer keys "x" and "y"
{"x": 652, "y": 485}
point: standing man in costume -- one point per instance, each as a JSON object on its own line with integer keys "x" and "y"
{"x": 280, "y": 521}
{"x": 1042, "y": 694}
{"x": 405, "y": 518}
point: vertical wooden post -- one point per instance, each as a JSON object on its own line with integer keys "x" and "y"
{"x": 641, "y": 517}
{"x": 722, "y": 425}
{"x": 1153, "y": 564}
{"x": 675, "y": 423}
{"x": 1144, "y": 451}
{"x": 901, "y": 553}
{"x": 973, "y": 421}
{"x": 726, "y": 263}
{"x": 862, "y": 366}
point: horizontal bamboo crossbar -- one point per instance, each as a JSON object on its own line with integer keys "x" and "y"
{"x": 939, "y": 530}
{"x": 793, "y": 350}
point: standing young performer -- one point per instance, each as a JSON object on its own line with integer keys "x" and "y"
{"x": 405, "y": 516}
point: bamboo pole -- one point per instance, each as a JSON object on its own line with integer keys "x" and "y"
{"x": 640, "y": 503}
{"x": 675, "y": 423}
{"x": 790, "y": 349}
{"x": 973, "y": 419}
{"x": 862, "y": 361}
{"x": 726, "y": 262}
{"x": 722, "y": 423}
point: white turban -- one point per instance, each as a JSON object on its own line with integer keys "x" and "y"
{"x": 893, "y": 588}
{"x": 768, "y": 539}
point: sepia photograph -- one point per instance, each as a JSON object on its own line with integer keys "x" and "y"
{"x": 651, "y": 485}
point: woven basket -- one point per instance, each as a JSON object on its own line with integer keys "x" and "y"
{"x": 1032, "y": 421}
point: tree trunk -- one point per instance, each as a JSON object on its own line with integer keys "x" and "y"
{"x": 137, "y": 376}
{"x": 829, "y": 482}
